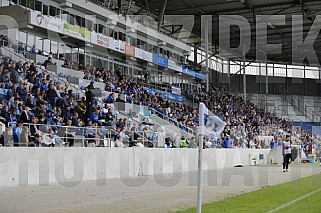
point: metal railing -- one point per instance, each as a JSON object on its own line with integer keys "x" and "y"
{"x": 85, "y": 136}
{"x": 67, "y": 135}
{"x": 312, "y": 114}
{"x": 174, "y": 121}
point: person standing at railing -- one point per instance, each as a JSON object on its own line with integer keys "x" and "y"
{"x": 17, "y": 131}
{"x": 25, "y": 115}
{"x": 92, "y": 136}
{"x": 70, "y": 134}
{"x": 35, "y": 134}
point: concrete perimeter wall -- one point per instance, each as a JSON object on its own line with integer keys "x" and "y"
{"x": 44, "y": 166}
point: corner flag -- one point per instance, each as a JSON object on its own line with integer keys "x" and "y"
{"x": 210, "y": 124}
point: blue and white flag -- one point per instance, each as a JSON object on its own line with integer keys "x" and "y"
{"x": 209, "y": 123}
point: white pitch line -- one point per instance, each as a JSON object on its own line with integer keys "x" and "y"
{"x": 293, "y": 201}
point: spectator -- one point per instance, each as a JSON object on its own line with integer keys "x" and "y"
{"x": 22, "y": 92}
{"x": 17, "y": 131}
{"x": 52, "y": 95}
{"x": 70, "y": 133}
{"x": 48, "y": 62}
{"x": 168, "y": 143}
{"x": 33, "y": 49}
{"x": 192, "y": 143}
{"x": 25, "y": 115}
{"x": 89, "y": 97}
{"x": 228, "y": 142}
{"x": 119, "y": 142}
{"x": 110, "y": 99}
{"x": 81, "y": 109}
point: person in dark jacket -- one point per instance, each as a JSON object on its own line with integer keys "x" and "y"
{"x": 25, "y": 115}
{"x": 21, "y": 90}
{"x": 89, "y": 96}
{"x": 52, "y": 95}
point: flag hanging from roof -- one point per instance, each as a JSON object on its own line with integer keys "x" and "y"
{"x": 209, "y": 123}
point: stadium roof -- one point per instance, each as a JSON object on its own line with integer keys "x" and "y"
{"x": 250, "y": 9}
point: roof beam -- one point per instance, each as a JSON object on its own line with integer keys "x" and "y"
{"x": 143, "y": 8}
{"x": 161, "y": 16}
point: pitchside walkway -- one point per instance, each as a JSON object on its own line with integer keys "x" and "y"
{"x": 157, "y": 194}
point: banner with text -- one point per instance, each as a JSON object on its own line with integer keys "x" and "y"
{"x": 46, "y": 22}
{"x": 159, "y": 60}
{"x": 77, "y": 32}
{"x": 166, "y": 95}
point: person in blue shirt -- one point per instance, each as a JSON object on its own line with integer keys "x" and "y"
{"x": 33, "y": 50}
{"x": 94, "y": 101}
{"x": 110, "y": 99}
{"x": 94, "y": 116}
{"x": 228, "y": 142}
{"x": 129, "y": 99}
{"x": 13, "y": 116}
{"x": 21, "y": 90}
{"x": 66, "y": 113}
{"x": 44, "y": 85}
{"x": 49, "y": 118}
{"x": 17, "y": 131}
{"x": 5, "y": 79}
{"x": 272, "y": 144}
{"x": 36, "y": 84}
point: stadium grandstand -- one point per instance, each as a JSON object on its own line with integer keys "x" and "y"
{"x": 116, "y": 73}
{"x": 103, "y": 78}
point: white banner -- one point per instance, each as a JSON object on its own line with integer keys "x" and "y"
{"x": 144, "y": 55}
{"x": 176, "y": 90}
{"x": 46, "y": 22}
{"x": 103, "y": 40}
{"x": 118, "y": 46}
{"x": 93, "y": 39}
{"x": 173, "y": 66}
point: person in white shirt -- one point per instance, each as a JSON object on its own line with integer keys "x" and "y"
{"x": 287, "y": 150}
{"x": 139, "y": 145}
{"x": 119, "y": 142}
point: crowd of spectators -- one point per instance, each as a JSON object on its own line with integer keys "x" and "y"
{"x": 30, "y": 99}
{"x": 32, "y": 96}
{"x": 245, "y": 121}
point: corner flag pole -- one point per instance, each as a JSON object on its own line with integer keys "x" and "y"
{"x": 202, "y": 125}
{"x": 200, "y": 161}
